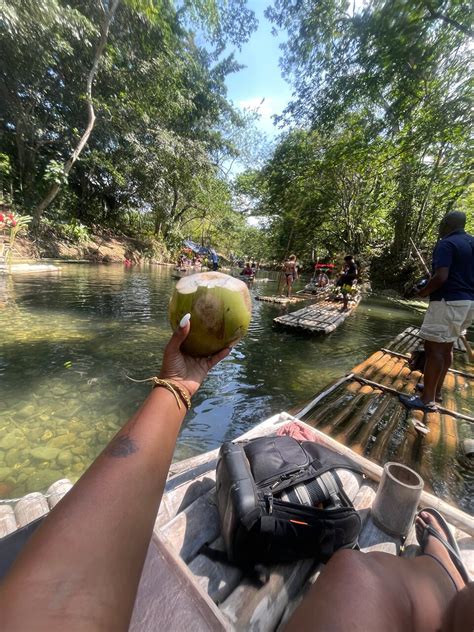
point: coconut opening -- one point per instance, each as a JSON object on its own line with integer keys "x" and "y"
{"x": 190, "y": 284}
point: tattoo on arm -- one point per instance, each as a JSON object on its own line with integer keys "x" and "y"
{"x": 122, "y": 446}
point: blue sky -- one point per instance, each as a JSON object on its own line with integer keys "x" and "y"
{"x": 261, "y": 79}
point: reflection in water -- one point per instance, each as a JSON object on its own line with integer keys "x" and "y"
{"x": 68, "y": 340}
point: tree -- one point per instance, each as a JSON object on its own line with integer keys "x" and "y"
{"x": 132, "y": 73}
{"x": 404, "y": 66}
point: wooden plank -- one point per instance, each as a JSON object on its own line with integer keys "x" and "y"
{"x": 217, "y": 578}
{"x": 282, "y": 300}
{"x": 374, "y": 539}
{"x": 198, "y": 524}
{"x": 251, "y": 608}
{"x": 30, "y": 507}
{"x": 177, "y": 499}
{"x": 204, "y": 460}
{"x": 169, "y": 598}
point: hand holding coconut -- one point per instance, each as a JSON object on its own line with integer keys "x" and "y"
{"x": 209, "y": 313}
{"x": 183, "y": 369}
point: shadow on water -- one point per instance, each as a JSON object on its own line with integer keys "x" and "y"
{"x": 68, "y": 340}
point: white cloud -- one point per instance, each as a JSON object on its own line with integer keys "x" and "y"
{"x": 266, "y": 107}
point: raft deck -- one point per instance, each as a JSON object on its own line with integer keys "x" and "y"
{"x": 281, "y": 300}
{"x": 300, "y": 297}
{"x": 362, "y": 411}
{"x": 323, "y": 317}
{"x": 182, "y": 587}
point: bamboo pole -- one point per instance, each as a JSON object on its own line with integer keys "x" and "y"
{"x": 395, "y": 392}
{"x": 319, "y": 397}
{"x": 407, "y": 357}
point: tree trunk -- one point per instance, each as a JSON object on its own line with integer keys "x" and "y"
{"x": 104, "y": 33}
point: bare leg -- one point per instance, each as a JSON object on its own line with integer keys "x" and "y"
{"x": 374, "y": 592}
{"x": 448, "y": 361}
{"x": 438, "y": 360}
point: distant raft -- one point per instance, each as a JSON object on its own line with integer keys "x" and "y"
{"x": 282, "y": 300}
{"x": 323, "y": 317}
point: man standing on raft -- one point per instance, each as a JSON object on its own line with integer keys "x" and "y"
{"x": 451, "y": 308}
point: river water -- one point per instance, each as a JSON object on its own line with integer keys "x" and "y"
{"x": 68, "y": 340}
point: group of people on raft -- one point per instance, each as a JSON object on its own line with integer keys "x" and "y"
{"x": 345, "y": 282}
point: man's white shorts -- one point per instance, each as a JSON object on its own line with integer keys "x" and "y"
{"x": 445, "y": 321}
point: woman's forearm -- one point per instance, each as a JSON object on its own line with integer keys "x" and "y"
{"x": 84, "y": 563}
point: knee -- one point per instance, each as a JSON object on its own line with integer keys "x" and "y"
{"x": 348, "y": 563}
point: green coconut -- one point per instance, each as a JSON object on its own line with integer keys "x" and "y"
{"x": 220, "y": 309}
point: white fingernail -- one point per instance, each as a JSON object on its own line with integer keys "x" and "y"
{"x": 185, "y": 320}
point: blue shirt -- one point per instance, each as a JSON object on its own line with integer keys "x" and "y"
{"x": 456, "y": 252}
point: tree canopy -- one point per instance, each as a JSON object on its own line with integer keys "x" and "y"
{"x": 378, "y": 148}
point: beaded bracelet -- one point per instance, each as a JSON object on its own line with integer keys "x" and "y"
{"x": 177, "y": 391}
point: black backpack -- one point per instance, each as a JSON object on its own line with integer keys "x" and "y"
{"x": 281, "y": 500}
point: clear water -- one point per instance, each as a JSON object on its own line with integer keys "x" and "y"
{"x": 67, "y": 341}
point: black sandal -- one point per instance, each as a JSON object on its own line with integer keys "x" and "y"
{"x": 449, "y": 543}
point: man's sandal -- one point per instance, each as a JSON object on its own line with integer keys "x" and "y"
{"x": 413, "y": 402}
{"x": 449, "y": 543}
{"x": 421, "y": 387}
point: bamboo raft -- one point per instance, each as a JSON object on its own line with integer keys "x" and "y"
{"x": 281, "y": 300}
{"x": 183, "y": 588}
{"x": 300, "y": 296}
{"x": 362, "y": 411}
{"x": 322, "y": 317}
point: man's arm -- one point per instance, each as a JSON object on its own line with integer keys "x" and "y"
{"x": 442, "y": 259}
{"x": 437, "y": 280}
{"x": 80, "y": 570}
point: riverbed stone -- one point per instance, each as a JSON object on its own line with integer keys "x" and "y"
{"x": 79, "y": 450}
{"x": 26, "y": 411}
{"x": 12, "y": 440}
{"x": 12, "y": 456}
{"x": 45, "y": 453}
{"x": 87, "y": 434}
{"x": 63, "y": 441}
{"x": 47, "y": 435}
{"x": 65, "y": 459}
{"x": 6, "y": 474}
{"x": 34, "y": 434}
{"x": 42, "y": 479}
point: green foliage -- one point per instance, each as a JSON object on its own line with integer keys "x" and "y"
{"x": 381, "y": 109}
{"x": 72, "y": 231}
{"x": 5, "y": 165}
{"x": 159, "y": 99}
{"x": 54, "y": 172}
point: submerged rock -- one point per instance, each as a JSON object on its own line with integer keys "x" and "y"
{"x": 63, "y": 441}
{"x": 45, "y": 453}
{"x": 65, "y": 459}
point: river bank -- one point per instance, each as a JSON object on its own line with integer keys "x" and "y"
{"x": 104, "y": 247}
